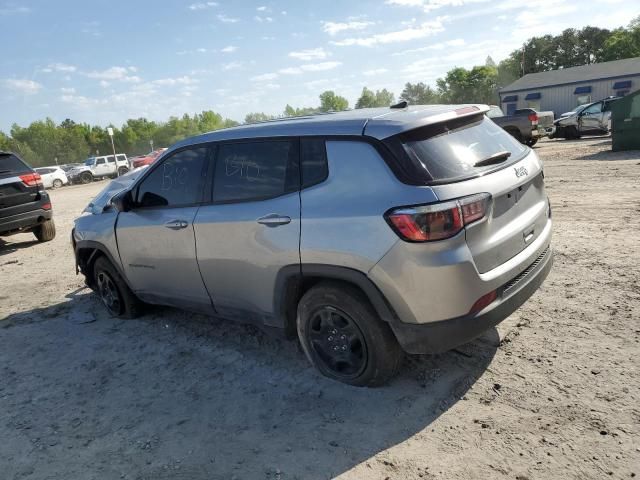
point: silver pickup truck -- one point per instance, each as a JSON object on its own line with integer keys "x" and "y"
{"x": 525, "y": 125}
{"x": 588, "y": 119}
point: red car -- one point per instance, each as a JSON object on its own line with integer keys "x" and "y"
{"x": 148, "y": 159}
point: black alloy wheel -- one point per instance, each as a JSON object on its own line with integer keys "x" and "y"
{"x": 337, "y": 342}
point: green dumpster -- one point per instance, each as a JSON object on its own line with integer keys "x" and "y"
{"x": 625, "y": 122}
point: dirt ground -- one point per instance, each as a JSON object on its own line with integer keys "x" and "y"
{"x": 553, "y": 392}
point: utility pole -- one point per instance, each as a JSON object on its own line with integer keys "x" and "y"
{"x": 115, "y": 160}
{"x": 151, "y": 143}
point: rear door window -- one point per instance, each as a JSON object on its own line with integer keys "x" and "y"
{"x": 258, "y": 170}
{"x": 313, "y": 159}
{"x": 449, "y": 151}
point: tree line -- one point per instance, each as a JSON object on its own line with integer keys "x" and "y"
{"x": 44, "y": 141}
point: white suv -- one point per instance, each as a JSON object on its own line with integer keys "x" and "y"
{"x": 99, "y": 167}
{"x": 52, "y": 177}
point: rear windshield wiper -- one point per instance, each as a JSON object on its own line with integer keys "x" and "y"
{"x": 498, "y": 157}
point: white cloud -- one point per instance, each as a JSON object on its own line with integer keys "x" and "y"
{"x": 318, "y": 67}
{"x": 226, "y": 19}
{"x": 290, "y": 71}
{"x": 104, "y": 83}
{"x": 231, "y": 66}
{"x": 59, "y": 67}
{"x": 116, "y": 73}
{"x": 457, "y": 42}
{"x": 184, "y": 80}
{"x": 310, "y": 54}
{"x": 374, "y": 72}
{"x": 27, "y": 87}
{"x": 68, "y": 90}
{"x": 333, "y": 28}
{"x": 262, "y": 8}
{"x": 429, "y": 5}
{"x": 202, "y": 6}
{"x": 229, "y": 49}
{"x": 412, "y": 33}
{"x": 12, "y": 10}
{"x": 264, "y": 77}
{"x": 260, "y": 19}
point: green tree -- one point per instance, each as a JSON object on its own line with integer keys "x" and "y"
{"x": 257, "y": 117}
{"x": 478, "y": 85}
{"x": 290, "y": 111}
{"x": 623, "y": 42}
{"x": 381, "y": 98}
{"x": 330, "y": 102}
{"x": 419, "y": 94}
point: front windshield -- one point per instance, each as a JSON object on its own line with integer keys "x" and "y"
{"x": 90, "y": 161}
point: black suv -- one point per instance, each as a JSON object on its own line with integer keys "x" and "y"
{"x": 24, "y": 204}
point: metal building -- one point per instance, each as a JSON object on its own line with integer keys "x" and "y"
{"x": 563, "y": 90}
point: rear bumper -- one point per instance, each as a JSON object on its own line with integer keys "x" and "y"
{"x": 543, "y": 131}
{"x": 24, "y": 221}
{"x": 436, "y": 337}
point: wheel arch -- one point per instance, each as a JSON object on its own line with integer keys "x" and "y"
{"x": 87, "y": 252}
{"x": 293, "y": 281}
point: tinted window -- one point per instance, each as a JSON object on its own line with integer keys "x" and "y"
{"x": 10, "y": 164}
{"x": 313, "y": 160}
{"x": 121, "y": 158}
{"x": 110, "y": 159}
{"x": 100, "y": 161}
{"x": 449, "y": 151}
{"x": 254, "y": 171}
{"x": 177, "y": 181}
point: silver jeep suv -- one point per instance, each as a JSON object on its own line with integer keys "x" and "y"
{"x": 365, "y": 233}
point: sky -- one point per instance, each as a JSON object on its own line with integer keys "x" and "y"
{"x": 103, "y": 61}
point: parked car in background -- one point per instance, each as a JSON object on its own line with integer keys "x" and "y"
{"x": 99, "y": 167}
{"x": 24, "y": 204}
{"x": 365, "y": 232}
{"x": 68, "y": 166}
{"x": 147, "y": 159}
{"x": 52, "y": 177}
{"x": 525, "y": 125}
{"x": 589, "y": 119}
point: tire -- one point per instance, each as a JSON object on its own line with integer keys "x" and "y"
{"x": 531, "y": 142}
{"x": 515, "y": 134}
{"x": 344, "y": 338}
{"x": 113, "y": 291}
{"x": 57, "y": 183}
{"x": 86, "y": 177}
{"x": 46, "y": 231}
{"x": 122, "y": 170}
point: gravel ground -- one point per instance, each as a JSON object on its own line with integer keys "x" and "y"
{"x": 553, "y": 392}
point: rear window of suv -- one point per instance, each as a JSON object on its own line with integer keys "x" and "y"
{"x": 449, "y": 151}
{"x": 10, "y": 165}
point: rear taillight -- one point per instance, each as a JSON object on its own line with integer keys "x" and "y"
{"x": 31, "y": 179}
{"x": 46, "y": 206}
{"x": 438, "y": 221}
{"x": 533, "y": 118}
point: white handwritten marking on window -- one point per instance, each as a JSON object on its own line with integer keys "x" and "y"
{"x": 242, "y": 169}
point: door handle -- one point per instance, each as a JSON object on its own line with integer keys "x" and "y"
{"x": 176, "y": 224}
{"x": 274, "y": 220}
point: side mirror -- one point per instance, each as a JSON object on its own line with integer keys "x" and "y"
{"x": 123, "y": 201}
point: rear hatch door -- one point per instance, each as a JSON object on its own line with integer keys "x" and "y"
{"x": 15, "y": 195}
{"x": 476, "y": 156}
